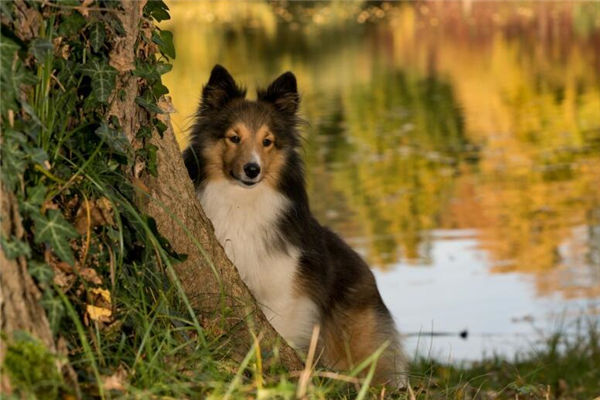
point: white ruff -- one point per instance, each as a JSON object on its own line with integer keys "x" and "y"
{"x": 245, "y": 222}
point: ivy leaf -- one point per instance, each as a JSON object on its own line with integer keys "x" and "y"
{"x": 164, "y": 40}
{"x": 148, "y": 106}
{"x": 157, "y": 9}
{"x": 56, "y": 231}
{"x": 160, "y": 126}
{"x": 54, "y": 307}
{"x": 113, "y": 138}
{"x": 146, "y": 71}
{"x": 97, "y": 36}
{"x": 103, "y": 78}
{"x": 12, "y": 74}
{"x": 144, "y": 133}
{"x": 152, "y": 160}
{"x": 67, "y": 74}
{"x": 14, "y": 247}
{"x": 71, "y": 24}
{"x": 37, "y": 155}
{"x": 163, "y": 68}
{"x": 41, "y": 271}
{"x": 158, "y": 89}
{"x": 35, "y": 198}
{"x": 14, "y": 160}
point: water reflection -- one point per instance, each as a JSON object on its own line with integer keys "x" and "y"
{"x": 456, "y": 116}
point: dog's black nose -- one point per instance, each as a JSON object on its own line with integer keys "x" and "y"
{"x": 252, "y": 170}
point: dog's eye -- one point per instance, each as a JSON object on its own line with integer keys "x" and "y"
{"x": 234, "y": 139}
{"x": 267, "y": 142}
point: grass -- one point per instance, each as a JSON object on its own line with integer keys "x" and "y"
{"x": 565, "y": 366}
{"x": 153, "y": 349}
{"x": 146, "y": 341}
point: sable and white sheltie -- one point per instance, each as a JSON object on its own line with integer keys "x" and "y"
{"x": 243, "y": 159}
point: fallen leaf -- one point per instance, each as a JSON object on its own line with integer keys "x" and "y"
{"x": 62, "y": 279}
{"x": 102, "y": 293}
{"x": 98, "y": 313}
{"x": 100, "y": 214}
{"x": 90, "y": 275}
{"x": 105, "y": 206}
{"x": 116, "y": 380}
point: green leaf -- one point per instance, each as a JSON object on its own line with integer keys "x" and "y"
{"x": 71, "y": 24}
{"x": 151, "y": 159}
{"x": 157, "y": 9}
{"x": 160, "y": 126}
{"x": 97, "y": 36}
{"x": 144, "y": 133}
{"x": 55, "y": 231}
{"x": 40, "y": 271}
{"x": 164, "y": 40}
{"x": 163, "y": 68}
{"x": 54, "y": 307}
{"x": 14, "y": 160}
{"x": 117, "y": 26}
{"x": 158, "y": 89}
{"x": 148, "y": 106}
{"x": 14, "y": 247}
{"x": 67, "y": 75}
{"x": 12, "y": 75}
{"x": 103, "y": 78}
{"x": 5, "y": 10}
{"x": 146, "y": 71}
{"x": 37, "y": 155}
{"x": 33, "y": 203}
{"x": 116, "y": 140}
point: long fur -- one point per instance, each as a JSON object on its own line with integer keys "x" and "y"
{"x": 300, "y": 272}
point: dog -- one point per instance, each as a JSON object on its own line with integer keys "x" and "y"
{"x": 244, "y": 162}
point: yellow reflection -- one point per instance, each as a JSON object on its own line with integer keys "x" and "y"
{"x": 454, "y": 115}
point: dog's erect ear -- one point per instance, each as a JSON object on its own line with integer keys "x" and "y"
{"x": 220, "y": 89}
{"x": 282, "y": 93}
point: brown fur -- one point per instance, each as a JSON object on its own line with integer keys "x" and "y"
{"x": 224, "y": 155}
{"x": 354, "y": 320}
{"x": 350, "y": 337}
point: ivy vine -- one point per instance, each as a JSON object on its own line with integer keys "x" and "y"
{"x": 64, "y": 157}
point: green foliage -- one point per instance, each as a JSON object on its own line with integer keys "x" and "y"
{"x": 565, "y": 366}
{"x": 97, "y": 36}
{"x": 164, "y": 40}
{"x": 67, "y": 161}
{"x": 157, "y": 10}
{"x": 114, "y": 138}
{"x": 41, "y": 49}
{"x": 102, "y": 76}
{"x": 63, "y": 155}
{"x": 14, "y": 247}
{"x": 31, "y": 367}
{"x": 55, "y": 231}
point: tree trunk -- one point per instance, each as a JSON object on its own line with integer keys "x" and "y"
{"x": 20, "y": 309}
{"x": 208, "y": 277}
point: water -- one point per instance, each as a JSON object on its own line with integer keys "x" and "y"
{"x": 455, "y": 145}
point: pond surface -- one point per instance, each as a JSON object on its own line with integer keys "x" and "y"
{"x": 455, "y": 145}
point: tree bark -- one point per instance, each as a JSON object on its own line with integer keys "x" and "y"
{"x": 208, "y": 277}
{"x": 20, "y": 309}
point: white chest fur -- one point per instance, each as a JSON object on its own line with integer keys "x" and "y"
{"x": 245, "y": 223}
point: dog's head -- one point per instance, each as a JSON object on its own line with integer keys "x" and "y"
{"x": 240, "y": 140}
